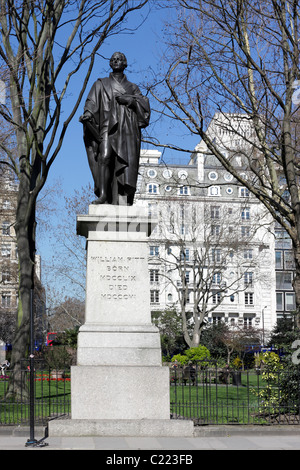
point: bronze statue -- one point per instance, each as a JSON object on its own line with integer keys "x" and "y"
{"x": 114, "y": 114}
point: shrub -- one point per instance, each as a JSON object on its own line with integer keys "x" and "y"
{"x": 180, "y": 358}
{"x": 269, "y": 397}
{"x": 192, "y": 355}
{"x": 197, "y": 354}
{"x": 57, "y": 357}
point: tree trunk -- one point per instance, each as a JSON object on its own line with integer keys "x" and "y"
{"x": 296, "y": 282}
{"x": 25, "y": 230}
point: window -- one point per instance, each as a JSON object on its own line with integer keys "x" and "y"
{"x": 228, "y": 177}
{"x": 249, "y": 300}
{"x": 248, "y": 253}
{"x": 183, "y": 191}
{"x": 284, "y": 280}
{"x": 215, "y": 230}
{"x": 214, "y": 191}
{"x": 282, "y": 239}
{"x": 279, "y": 301}
{"x": 167, "y": 174}
{"x": 154, "y": 296}
{"x": 248, "y": 322}
{"x": 289, "y": 262}
{"x": 248, "y": 279}
{"x": 6, "y": 299}
{"x": 182, "y": 174}
{"x": 216, "y": 254}
{"x": 6, "y": 204}
{"x": 154, "y": 275}
{"x": 152, "y": 173}
{"x": 5, "y": 228}
{"x": 5, "y": 249}
{"x": 213, "y": 175}
{"x": 152, "y": 209}
{"x": 154, "y": 250}
{"x": 217, "y": 277}
{"x": 152, "y": 188}
{"x": 244, "y": 192}
{"x": 278, "y": 260}
{"x": 245, "y": 213}
{"x": 215, "y": 212}
{"x": 185, "y": 254}
{"x": 245, "y": 231}
{"x": 217, "y": 318}
{"x": 290, "y": 303}
{"x": 216, "y": 298}
{"x": 6, "y": 276}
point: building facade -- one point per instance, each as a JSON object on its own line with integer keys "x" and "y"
{"x": 9, "y": 255}
{"x": 212, "y": 252}
{"x": 9, "y": 266}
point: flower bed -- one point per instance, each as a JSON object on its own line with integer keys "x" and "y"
{"x": 47, "y": 378}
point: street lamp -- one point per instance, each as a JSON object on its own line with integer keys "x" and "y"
{"x": 263, "y": 324}
{"x": 32, "y": 442}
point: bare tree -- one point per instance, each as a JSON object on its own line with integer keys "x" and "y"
{"x": 241, "y": 57}
{"x": 237, "y": 339}
{"x": 44, "y": 45}
{"x": 68, "y": 262}
{"x": 204, "y": 260}
{"x": 66, "y": 315}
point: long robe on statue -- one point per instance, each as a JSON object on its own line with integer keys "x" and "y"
{"x": 117, "y": 128}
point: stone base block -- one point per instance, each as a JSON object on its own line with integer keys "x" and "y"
{"x": 120, "y": 392}
{"x": 122, "y": 345}
{"x": 121, "y": 428}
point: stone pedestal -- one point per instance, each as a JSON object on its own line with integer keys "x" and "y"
{"x": 119, "y": 381}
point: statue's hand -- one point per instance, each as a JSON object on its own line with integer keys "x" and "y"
{"x": 124, "y": 99}
{"x": 85, "y": 117}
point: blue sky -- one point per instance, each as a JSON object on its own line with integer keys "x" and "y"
{"x": 143, "y": 48}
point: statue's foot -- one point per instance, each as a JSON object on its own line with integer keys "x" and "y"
{"x": 100, "y": 200}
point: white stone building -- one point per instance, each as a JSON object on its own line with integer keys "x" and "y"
{"x": 213, "y": 248}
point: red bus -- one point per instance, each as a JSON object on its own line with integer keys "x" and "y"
{"x": 50, "y": 338}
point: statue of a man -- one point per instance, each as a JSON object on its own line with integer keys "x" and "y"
{"x": 114, "y": 114}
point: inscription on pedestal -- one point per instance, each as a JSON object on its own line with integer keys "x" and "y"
{"x": 117, "y": 276}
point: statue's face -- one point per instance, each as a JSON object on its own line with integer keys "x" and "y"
{"x": 118, "y": 62}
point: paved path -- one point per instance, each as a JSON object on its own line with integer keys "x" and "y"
{"x": 218, "y": 438}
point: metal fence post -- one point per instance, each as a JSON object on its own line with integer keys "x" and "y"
{"x": 32, "y": 442}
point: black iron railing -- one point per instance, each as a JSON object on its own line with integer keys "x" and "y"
{"x": 211, "y": 395}
{"x": 202, "y": 392}
{"x": 52, "y": 394}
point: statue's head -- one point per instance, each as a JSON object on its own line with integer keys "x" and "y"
{"x": 118, "y": 62}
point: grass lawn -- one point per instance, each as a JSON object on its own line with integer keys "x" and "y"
{"x": 217, "y": 403}
{"x": 204, "y": 402}
{"x": 52, "y": 397}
